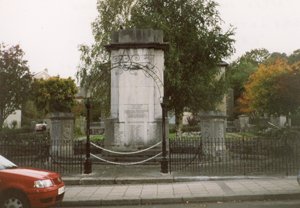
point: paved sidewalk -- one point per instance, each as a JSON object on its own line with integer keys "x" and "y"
{"x": 190, "y": 189}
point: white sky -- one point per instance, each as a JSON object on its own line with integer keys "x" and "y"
{"x": 50, "y": 31}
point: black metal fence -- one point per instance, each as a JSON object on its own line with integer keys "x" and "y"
{"x": 235, "y": 156}
{"x": 38, "y": 151}
{"x": 232, "y": 156}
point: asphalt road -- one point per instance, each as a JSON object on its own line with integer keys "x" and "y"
{"x": 252, "y": 204}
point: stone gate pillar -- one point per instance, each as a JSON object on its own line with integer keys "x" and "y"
{"x": 213, "y": 134}
{"x": 62, "y": 134}
{"x": 137, "y": 62}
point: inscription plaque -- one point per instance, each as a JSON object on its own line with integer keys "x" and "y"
{"x": 137, "y": 113}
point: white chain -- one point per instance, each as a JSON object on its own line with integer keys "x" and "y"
{"x": 125, "y": 153}
{"x": 126, "y": 163}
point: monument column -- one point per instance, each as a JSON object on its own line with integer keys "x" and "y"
{"x": 137, "y": 67}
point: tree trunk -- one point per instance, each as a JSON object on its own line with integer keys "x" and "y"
{"x": 178, "y": 122}
{"x": 1, "y": 119}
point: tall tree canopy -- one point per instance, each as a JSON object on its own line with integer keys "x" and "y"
{"x": 15, "y": 80}
{"x": 294, "y": 57}
{"x": 240, "y": 70}
{"x": 273, "y": 88}
{"x": 54, "y": 94}
{"x": 197, "y": 46}
{"x": 94, "y": 68}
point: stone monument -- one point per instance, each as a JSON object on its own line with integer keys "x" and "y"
{"x": 137, "y": 68}
{"x": 213, "y": 127}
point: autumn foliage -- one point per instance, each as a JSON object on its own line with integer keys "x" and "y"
{"x": 274, "y": 88}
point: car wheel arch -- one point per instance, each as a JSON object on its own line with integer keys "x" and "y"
{"x": 14, "y": 191}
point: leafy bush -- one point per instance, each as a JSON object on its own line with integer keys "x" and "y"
{"x": 172, "y": 135}
{"x": 77, "y": 132}
{"x": 191, "y": 128}
{"x": 97, "y": 138}
{"x": 172, "y": 128}
{"x": 93, "y": 138}
{"x": 282, "y": 133}
{"x": 295, "y": 119}
{"x": 10, "y": 131}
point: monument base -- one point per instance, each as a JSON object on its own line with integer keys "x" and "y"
{"x": 131, "y": 136}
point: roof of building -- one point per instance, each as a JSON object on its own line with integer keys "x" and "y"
{"x": 42, "y": 75}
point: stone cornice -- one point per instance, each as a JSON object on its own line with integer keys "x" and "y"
{"x": 158, "y": 46}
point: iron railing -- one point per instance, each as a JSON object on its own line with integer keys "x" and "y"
{"x": 235, "y": 156}
{"x": 38, "y": 151}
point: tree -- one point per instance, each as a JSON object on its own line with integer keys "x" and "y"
{"x": 275, "y": 56}
{"x": 94, "y": 69}
{"x": 54, "y": 94}
{"x": 256, "y": 56}
{"x": 273, "y": 88}
{"x": 30, "y": 113}
{"x": 294, "y": 57}
{"x": 240, "y": 70}
{"x": 15, "y": 80}
{"x": 197, "y": 45}
{"x": 288, "y": 88}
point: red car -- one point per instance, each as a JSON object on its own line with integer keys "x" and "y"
{"x": 24, "y": 187}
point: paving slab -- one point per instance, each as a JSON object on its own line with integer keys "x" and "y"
{"x": 181, "y": 192}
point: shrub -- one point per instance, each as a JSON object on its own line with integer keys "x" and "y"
{"x": 191, "y": 128}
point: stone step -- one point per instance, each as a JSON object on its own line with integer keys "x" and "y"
{"x": 122, "y": 159}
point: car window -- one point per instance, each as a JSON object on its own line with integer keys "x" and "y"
{"x": 6, "y": 164}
